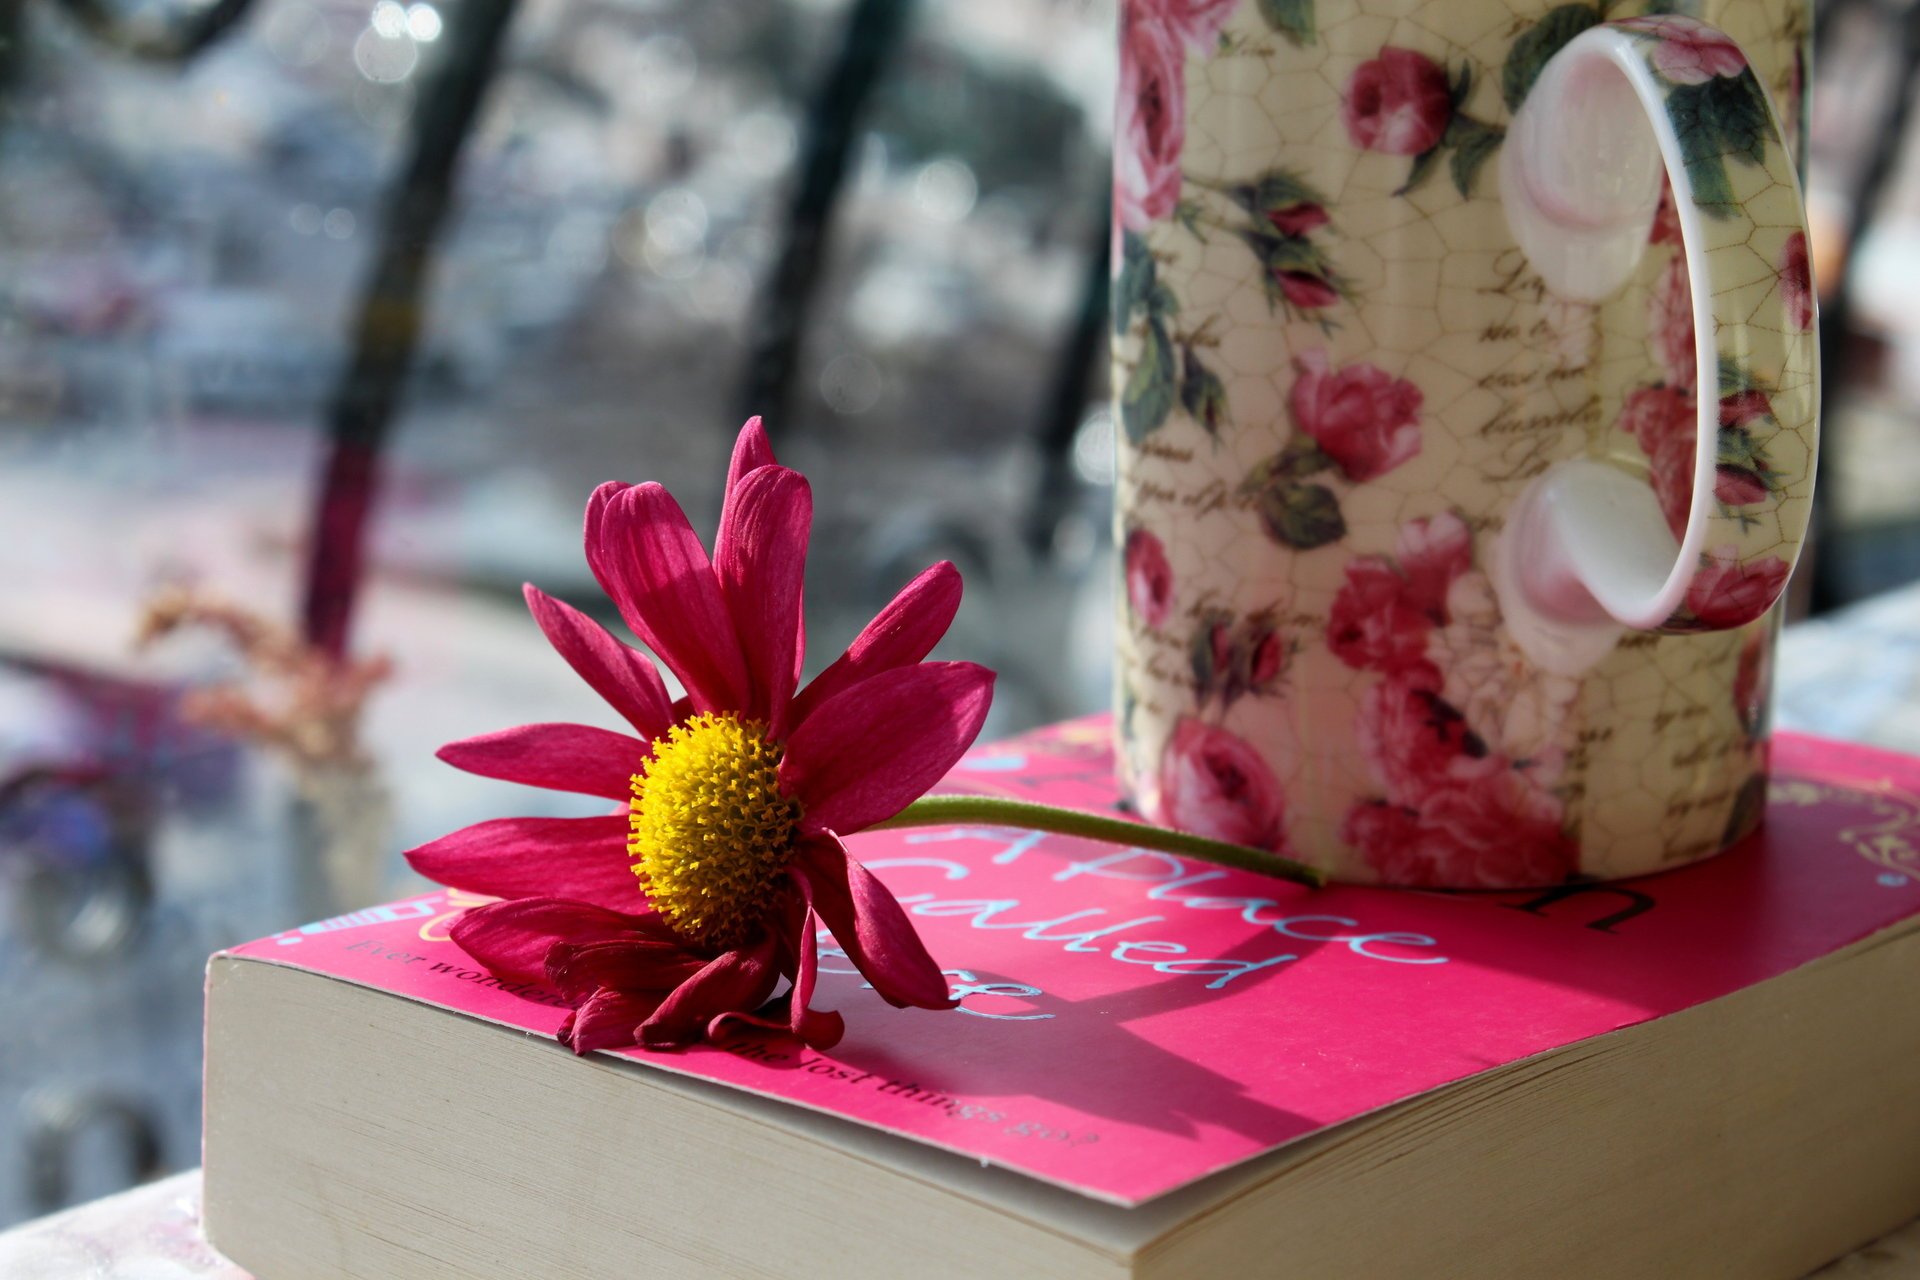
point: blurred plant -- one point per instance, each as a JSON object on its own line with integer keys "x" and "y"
{"x": 304, "y": 705}
{"x": 312, "y": 719}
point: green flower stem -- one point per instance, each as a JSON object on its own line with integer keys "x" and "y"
{"x": 997, "y": 811}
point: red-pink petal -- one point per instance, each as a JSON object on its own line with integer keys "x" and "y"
{"x": 733, "y": 982}
{"x": 751, "y": 451}
{"x": 580, "y": 858}
{"x": 624, "y": 677}
{"x": 512, "y": 938}
{"x": 560, "y": 757}
{"x": 760, "y": 558}
{"x": 648, "y": 559}
{"x": 575, "y": 970}
{"x": 609, "y": 1019}
{"x": 901, "y": 634}
{"x": 876, "y": 747}
{"x": 789, "y": 1014}
{"x": 870, "y": 926}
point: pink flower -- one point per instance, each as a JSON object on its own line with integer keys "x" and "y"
{"x": 1413, "y": 740}
{"x": 1305, "y": 290}
{"x": 1196, "y": 22}
{"x": 1298, "y": 219}
{"x": 1375, "y": 625}
{"x": 1738, "y": 487}
{"x": 1743, "y": 407}
{"x": 1269, "y": 659}
{"x": 1653, "y": 415}
{"x": 1671, "y": 475}
{"x": 1689, "y": 52}
{"x": 1796, "y": 281}
{"x": 1152, "y": 124}
{"x": 1728, "y": 593}
{"x": 662, "y": 923}
{"x": 1149, "y": 578}
{"x": 1670, "y": 325}
{"x": 1666, "y": 217}
{"x": 1365, "y": 419}
{"x": 1399, "y": 103}
{"x": 1383, "y": 614}
{"x": 1433, "y": 553}
{"x": 1220, "y": 645}
{"x": 1665, "y": 422}
{"x": 1214, "y": 784}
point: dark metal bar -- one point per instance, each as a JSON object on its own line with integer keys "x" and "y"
{"x": 387, "y": 329}
{"x": 176, "y": 39}
{"x": 873, "y": 31}
{"x": 1066, "y": 403}
{"x": 1837, "y": 317}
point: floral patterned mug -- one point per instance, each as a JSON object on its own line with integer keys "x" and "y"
{"x": 1464, "y": 353}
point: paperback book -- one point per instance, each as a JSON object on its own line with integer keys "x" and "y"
{"x": 1142, "y": 1041}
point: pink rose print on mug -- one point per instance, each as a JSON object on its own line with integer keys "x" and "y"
{"x": 1364, "y": 419}
{"x": 1689, "y": 53}
{"x": 1358, "y": 421}
{"x": 1664, "y": 422}
{"x": 1215, "y": 784}
{"x": 1399, "y": 103}
{"x": 1152, "y": 124}
{"x": 1729, "y": 592}
{"x": 1402, "y": 103}
{"x": 1796, "y": 281}
{"x": 1196, "y": 22}
{"x": 1451, "y": 810}
{"x": 1708, "y": 84}
{"x": 1232, "y": 657}
{"x": 1495, "y": 832}
{"x": 1276, "y": 215}
{"x": 1149, "y": 578}
{"x": 1386, "y": 609}
{"x": 1670, "y": 324}
{"x": 1413, "y": 740}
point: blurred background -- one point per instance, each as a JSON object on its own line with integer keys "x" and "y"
{"x": 418, "y": 275}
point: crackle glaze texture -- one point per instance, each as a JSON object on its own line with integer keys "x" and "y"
{"x": 1335, "y": 372}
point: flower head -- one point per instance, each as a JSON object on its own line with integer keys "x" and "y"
{"x": 1361, "y": 416}
{"x": 1398, "y": 103}
{"x": 678, "y": 917}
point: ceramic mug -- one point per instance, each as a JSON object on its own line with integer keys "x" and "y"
{"x": 1464, "y": 353}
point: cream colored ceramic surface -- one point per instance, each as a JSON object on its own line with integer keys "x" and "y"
{"x": 1310, "y": 654}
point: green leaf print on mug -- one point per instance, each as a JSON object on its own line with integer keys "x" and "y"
{"x": 1538, "y": 44}
{"x": 1202, "y": 394}
{"x": 1718, "y": 108}
{"x": 1149, "y": 394}
{"x": 1302, "y": 516}
{"x": 1293, "y": 19}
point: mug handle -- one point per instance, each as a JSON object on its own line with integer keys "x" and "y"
{"x": 1586, "y": 547}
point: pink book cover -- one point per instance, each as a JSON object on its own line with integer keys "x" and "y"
{"x": 1131, "y": 1021}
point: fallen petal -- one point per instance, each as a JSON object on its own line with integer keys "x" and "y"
{"x": 512, "y": 939}
{"x": 733, "y": 982}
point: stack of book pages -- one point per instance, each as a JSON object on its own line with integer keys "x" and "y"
{"x": 1158, "y": 1068}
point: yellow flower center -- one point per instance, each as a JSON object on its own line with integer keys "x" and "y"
{"x": 710, "y": 830}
